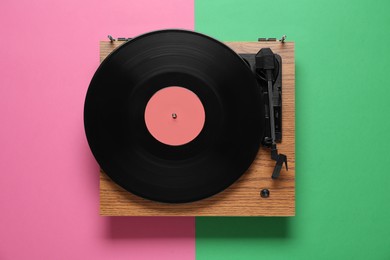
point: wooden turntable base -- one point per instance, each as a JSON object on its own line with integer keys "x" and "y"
{"x": 243, "y": 197}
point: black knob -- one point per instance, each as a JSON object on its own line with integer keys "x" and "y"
{"x": 264, "y": 193}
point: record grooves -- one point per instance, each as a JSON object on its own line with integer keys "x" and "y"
{"x": 114, "y": 116}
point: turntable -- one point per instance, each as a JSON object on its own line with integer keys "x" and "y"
{"x": 184, "y": 125}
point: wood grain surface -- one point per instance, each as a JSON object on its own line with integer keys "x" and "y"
{"x": 243, "y": 197}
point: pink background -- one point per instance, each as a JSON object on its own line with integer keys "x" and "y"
{"x": 49, "y": 204}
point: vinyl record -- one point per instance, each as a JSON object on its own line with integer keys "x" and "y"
{"x": 134, "y": 140}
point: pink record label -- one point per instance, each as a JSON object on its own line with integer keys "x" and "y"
{"x": 174, "y": 115}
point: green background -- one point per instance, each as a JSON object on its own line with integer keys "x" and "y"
{"x": 342, "y": 130}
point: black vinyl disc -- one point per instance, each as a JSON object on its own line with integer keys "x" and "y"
{"x": 121, "y": 142}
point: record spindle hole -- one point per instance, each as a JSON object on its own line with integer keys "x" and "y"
{"x": 174, "y": 115}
